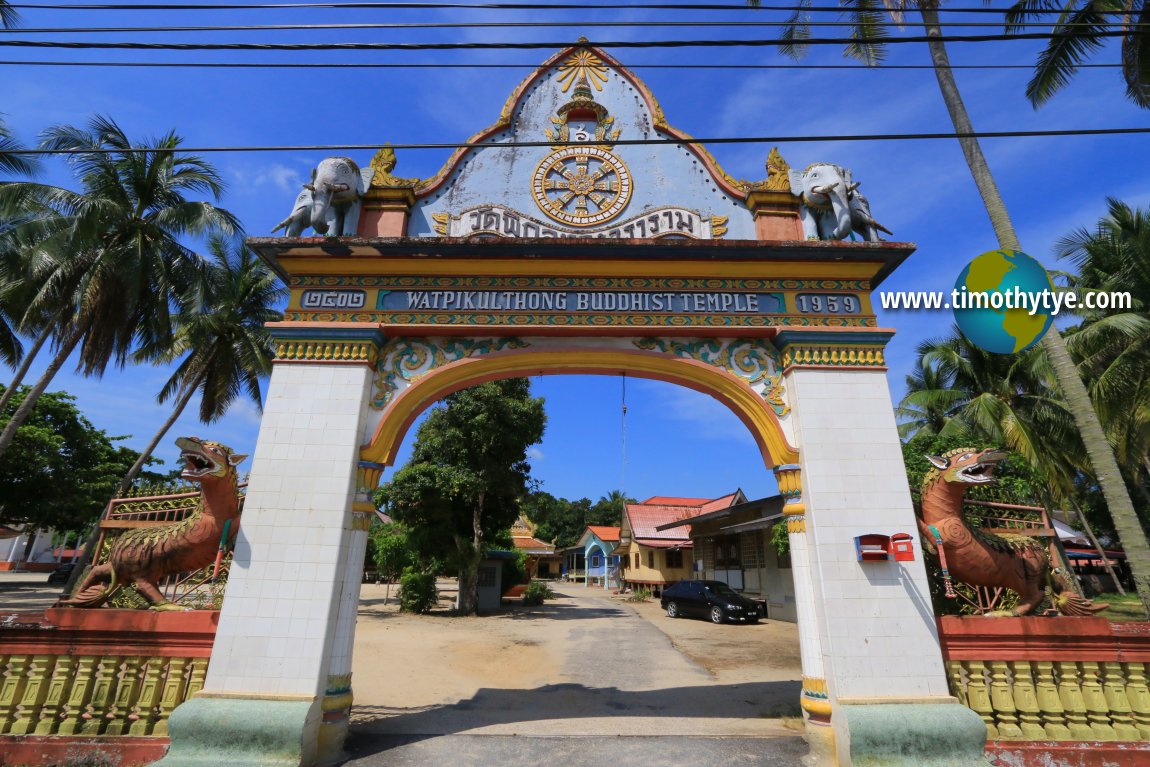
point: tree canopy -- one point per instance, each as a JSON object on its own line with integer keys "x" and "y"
{"x": 467, "y": 475}
{"x": 61, "y": 470}
{"x": 562, "y": 521}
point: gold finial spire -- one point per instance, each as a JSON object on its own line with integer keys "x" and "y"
{"x": 583, "y": 67}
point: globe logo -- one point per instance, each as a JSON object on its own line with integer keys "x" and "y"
{"x": 999, "y": 301}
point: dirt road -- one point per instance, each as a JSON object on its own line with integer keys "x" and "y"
{"x": 584, "y": 664}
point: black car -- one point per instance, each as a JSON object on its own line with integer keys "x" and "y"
{"x": 709, "y": 599}
{"x": 61, "y": 574}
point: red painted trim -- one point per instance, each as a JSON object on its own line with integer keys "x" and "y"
{"x": 1006, "y": 753}
{"x": 1060, "y": 638}
{"x": 118, "y": 751}
{"x": 67, "y": 631}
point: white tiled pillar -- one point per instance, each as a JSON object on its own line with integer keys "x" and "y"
{"x": 816, "y": 707}
{"x": 338, "y": 696}
{"x": 280, "y": 633}
{"x": 878, "y": 635}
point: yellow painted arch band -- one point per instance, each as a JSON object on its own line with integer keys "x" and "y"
{"x": 429, "y": 388}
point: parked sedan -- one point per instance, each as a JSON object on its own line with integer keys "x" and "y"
{"x": 709, "y": 599}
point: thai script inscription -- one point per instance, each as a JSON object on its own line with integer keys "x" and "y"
{"x": 505, "y": 222}
{"x": 661, "y": 302}
{"x": 333, "y": 299}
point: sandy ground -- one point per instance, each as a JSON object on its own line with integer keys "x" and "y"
{"x": 586, "y": 663}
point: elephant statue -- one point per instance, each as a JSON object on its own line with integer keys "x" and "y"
{"x": 825, "y": 210}
{"x": 300, "y": 217}
{"x": 336, "y": 187}
{"x": 862, "y": 222}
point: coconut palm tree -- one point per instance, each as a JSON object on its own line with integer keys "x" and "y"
{"x": 221, "y": 336}
{"x": 1076, "y": 35}
{"x": 10, "y": 159}
{"x": 1113, "y": 346}
{"x": 111, "y": 260}
{"x": 867, "y": 46}
{"x": 13, "y": 286}
{"x": 929, "y": 401}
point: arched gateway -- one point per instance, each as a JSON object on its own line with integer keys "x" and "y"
{"x": 579, "y": 255}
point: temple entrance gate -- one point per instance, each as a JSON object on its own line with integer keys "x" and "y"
{"x": 582, "y": 256}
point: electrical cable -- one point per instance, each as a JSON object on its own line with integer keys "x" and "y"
{"x": 774, "y": 43}
{"x": 487, "y": 7}
{"x": 443, "y": 65}
{"x": 619, "y": 142}
{"x": 536, "y": 25}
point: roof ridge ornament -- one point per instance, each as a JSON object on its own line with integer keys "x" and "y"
{"x": 382, "y": 164}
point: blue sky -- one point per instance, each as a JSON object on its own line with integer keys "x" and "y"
{"x": 678, "y": 442}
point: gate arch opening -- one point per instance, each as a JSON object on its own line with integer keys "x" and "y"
{"x": 747, "y": 404}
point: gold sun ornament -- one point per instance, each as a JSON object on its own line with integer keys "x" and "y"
{"x": 583, "y": 65}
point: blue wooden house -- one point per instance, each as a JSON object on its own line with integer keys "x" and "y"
{"x": 601, "y": 564}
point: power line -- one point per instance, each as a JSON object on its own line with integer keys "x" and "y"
{"x": 477, "y": 6}
{"x": 478, "y": 65}
{"x": 1125, "y": 27}
{"x": 78, "y": 45}
{"x": 621, "y": 142}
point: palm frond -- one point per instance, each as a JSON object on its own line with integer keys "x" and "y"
{"x": 1075, "y": 38}
{"x": 1136, "y": 55}
{"x": 868, "y": 30}
{"x": 797, "y": 29}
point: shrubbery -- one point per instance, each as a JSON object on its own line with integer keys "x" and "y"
{"x": 536, "y": 593}
{"x": 639, "y": 595}
{"x": 417, "y": 592}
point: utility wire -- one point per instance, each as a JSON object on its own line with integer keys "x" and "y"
{"x": 474, "y": 46}
{"x": 482, "y": 6}
{"x": 621, "y": 142}
{"x": 442, "y": 65}
{"x": 1126, "y": 27}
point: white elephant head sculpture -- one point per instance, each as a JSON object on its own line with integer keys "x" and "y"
{"x": 335, "y": 188}
{"x": 825, "y": 210}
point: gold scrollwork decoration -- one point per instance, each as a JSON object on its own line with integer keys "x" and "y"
{"x": 405, "y": 359}
{"x": 756, "y": 362}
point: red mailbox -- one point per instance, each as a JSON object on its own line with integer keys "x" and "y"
{"x": 901, "y": 547}
{"x": 872, "y": 548}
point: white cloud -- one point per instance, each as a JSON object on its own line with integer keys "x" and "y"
{"x": 535, "y": 454}
{"x": 706, "y": 417}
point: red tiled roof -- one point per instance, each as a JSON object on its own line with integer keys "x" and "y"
{"x": 720, "y": 503}
{"x": 668, "y": 500}
{"x": 660, "y": 510}
{"x": 646, "y": 517}
{"x": 531, "y": 544}
{"x": 604, "y": 532}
